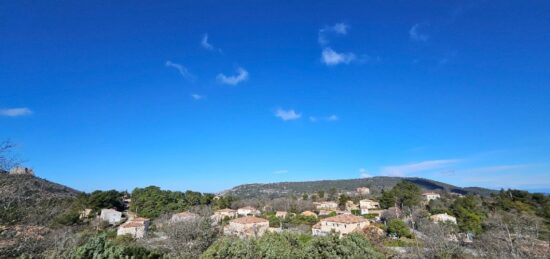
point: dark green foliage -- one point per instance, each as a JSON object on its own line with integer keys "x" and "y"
{"x": 403, "y": 194}
{"x": 102, "y": 247}
{"x": 222, "y": 202}
{"x": 71, "y": 217}
{"x": 295, "y": 220}
{"x": 398, "y": 228}
{"x": 151, "y": 201}
{"x": 98, "y": 200}
{"x": 387, "y": 199}
{"x": 350, "y": 246}
{"x": 469, "y": 213}
{"x": 342, "y": 201}
{"x": 289, "y": 245}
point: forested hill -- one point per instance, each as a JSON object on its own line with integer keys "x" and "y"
{"x": 27, "y": 199}
{"x": 376, "y": 184}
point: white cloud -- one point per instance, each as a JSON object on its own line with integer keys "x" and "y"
{"x": 331, "y": 57}
{"x": 287, "y": 115}
{"x": 339, "y": 28}
{"x": 330, "y": 118}
{"x": 181, "y": 69}
{"x": 197, "y": 96}
{"x": 404, "y": 170}
{"x": 284, "y": 171}
{"x": 233, "y": 80}
{"x": 205, "y": 44}
{"x": 15, "y": 112}
{"x": 363, "y": 173}
{"x": 416, "y": 35}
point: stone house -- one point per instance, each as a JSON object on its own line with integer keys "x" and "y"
{"x": 428, "y": 196}
{"x": 183, "y": 216}
{"x": 281, "y": 214}
{"x": 21, "y": 170}
{"x": 248, "y": 211}
{"x": 308, "y": 213}
{"x": 363, "y": 191}
{"x": 341, "y": 224}
{"x": 85, "y": 213}
{"x": 247, "y": 227}
{"x": 137, "y": 228}
{"x": 368, "y": 205}
{"x": 110, "y": 215}
{"x": 443, "y": 217}
{"x": 219, "y": 215}
{"x": 326, "y": 205}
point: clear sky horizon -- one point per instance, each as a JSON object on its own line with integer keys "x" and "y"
{"x": 206, "y": 95}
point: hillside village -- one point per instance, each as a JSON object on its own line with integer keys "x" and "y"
{"x": 402, "y": 222}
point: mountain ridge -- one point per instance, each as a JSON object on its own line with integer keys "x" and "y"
{"x": 376, "y": 185}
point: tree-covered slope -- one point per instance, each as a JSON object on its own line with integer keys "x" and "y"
{"x": 26, "y": 199}
{"x": 376, "y": 185}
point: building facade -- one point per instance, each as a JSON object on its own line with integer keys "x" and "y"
{"x": 341, "y": 224}
{"x": 110, "y": 215}
{"x": 247, "y": 227}
{"x": 137, "y": 228}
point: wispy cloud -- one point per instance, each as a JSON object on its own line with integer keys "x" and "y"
{"x": 287, "y": 115}
{"x": 406, "y": 169}
{"x": 242, "y": 75}
{"x": 331, "y": 57}
{"x": 338, "y": 28}
{"x": 415, "y": 33}
{"x": 181, "y": 69}
{"x": 15, "y": 112}
{"x": 329, "y": 118}
{"x": 495, "y": 169}
{"x": 207, "y": 45}
{"x": 198, "y": 96}
{"x": 363, "y": 173}
{"x": 284, "y": 171}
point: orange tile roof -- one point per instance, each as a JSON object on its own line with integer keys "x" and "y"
{"x": 346, "y": 219}
{"x": 133, "y": 224}
{"x": 249, "y": 220}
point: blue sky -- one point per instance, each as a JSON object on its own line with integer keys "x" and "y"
{"x": 205, "y": 96}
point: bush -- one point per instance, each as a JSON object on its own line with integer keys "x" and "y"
{"x": 398, "y": 228}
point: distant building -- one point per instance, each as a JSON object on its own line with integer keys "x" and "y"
{"x": 342, "y": 224}
{"x": 137, "y": 228}
{"x": 21, "y": 171}
{"x": 85, "y": 213}
{"x": 248, "y": 211}
{"x": 324, "y": 212}
{"x": 219, "y": 215}
{"x": 183, "y": 216}
{"x": 110, "y": 215}
{"x": 326, "y": 205}
{"x": 350, "y": 205}
{"x": 343, "y": 212}
{"x": 363, "y": 190}
{"x": 247, "y": 227}
{"x": 443, "y": 217}
{"x": 428, "y": 196}
{"x": 281, "y": 214}
{"x": 368, "y": 205}
{"x": 308, "y": 213}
